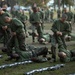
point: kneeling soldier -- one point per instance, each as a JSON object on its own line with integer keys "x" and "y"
{"x": 17, "y": 31}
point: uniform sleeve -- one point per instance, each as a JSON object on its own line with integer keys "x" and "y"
{"x": 54, "y": 27}
{"x": 19, "y": 26}
{"x": 31, "y": 19}
{"x": 67, "y": 29}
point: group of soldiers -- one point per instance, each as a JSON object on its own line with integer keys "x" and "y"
{"x": 13, "y": 31}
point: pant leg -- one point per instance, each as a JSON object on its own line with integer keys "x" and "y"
{"x": 21, "y": 41}
{"x": 41, "y": 51}
{"x": 39, "y": 31}
{"x": 53, "y": 47}
{"x": 10, "y": 45}
{"x": 33, "y": 33}
{"x": 60, "y": 43}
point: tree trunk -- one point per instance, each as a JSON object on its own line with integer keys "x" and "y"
{"x": 69, "y": 8}
{"x": 54, "y": 6}
{"x": 63, "y": 4}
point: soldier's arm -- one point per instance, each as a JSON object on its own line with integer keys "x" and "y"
{"x": 19, "y": 25}
{"x": 67, "y": 29}
{"x": 54, "y": 27}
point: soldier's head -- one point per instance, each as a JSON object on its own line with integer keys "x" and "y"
{"x": 62, "y": 55}
{"x": 42, "y": 40}
{"x": 34, "y": 9}
{"x": 64, "y": 17}
{"x": 8, "y": 19}
{"x": 4, "y": 6}
{"x": 65, "y": 10}
{"x": 1, "y": 11}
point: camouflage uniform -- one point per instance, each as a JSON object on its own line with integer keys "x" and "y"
{"x": 35, "y": 19}
{"x": 23, "y": 19}
{"x": 69, "y": 19}
{"x": 70, "y": 56}
{"x": 63, "y": 27}
{"x": 46, "y": 38}
{"x": 58, "y": 13}
{"x": 17, "y": 26}
{"x": 32, "y": 53}
{"x": 47, "y": 15}
{"x": 2, "y": 23}
{"x": 51, "y": 14}
{"x": 42, "y": 15}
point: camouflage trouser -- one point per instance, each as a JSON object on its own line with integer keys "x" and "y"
{"x": 4, "y": 35}
{"x": 61, "y": 44}
{"x": 21, "y": 41}
{"x": 38, "y": 27}
{"x": 16, "y": 41}
{"x": 39, "y": 30}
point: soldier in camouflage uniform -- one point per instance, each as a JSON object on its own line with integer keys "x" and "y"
{"x": 69, "y": 18}
{"x": 46, "y": 38}
{"x": 4, "y": 32}
{"x": 58, "y": 13}
{"x": 23, "y": 18}
{"x": 51, "y": 15}
{"x": 18, "y": 33}
{"x": 42, "y": 14}
{"x": 67, "y": 55}
{"x": 35, "y": 20}
{"x": 60, "y": 28}
{"x": 47, "y": 14}
{"x": 32, "y": 53}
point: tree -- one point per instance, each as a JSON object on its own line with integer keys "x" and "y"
{"x": 31, "y": 2}
{"x": 64, "y": 2}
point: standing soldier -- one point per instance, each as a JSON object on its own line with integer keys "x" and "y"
{"x": 69, "y": 18}
{"x": 51, "y": 15}
{"x": 47, "y": 14}
{"x": 42, "y": 15}
{"x": 60, "y": 28}
{"x": 36, "y": 21}
{"x": 58, "y": 13}
{"x": 23, "y": 18}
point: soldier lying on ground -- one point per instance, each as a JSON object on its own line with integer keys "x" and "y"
{"x": 70, "y": 37}
{"x": 31, "y": 53}
{"x": 67, "y": 55}
{"x": 46, "y": 37}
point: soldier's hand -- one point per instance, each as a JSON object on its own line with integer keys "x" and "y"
{"x": 58, "y": 33}
{"x": 13, "y": 33}
{"x": 4, "y": 27}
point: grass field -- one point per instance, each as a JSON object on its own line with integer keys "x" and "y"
{"x": 20, "y": 70}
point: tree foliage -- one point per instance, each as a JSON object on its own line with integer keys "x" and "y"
{"x": 31, "y": 2}
{"x": 66, "y": 2}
